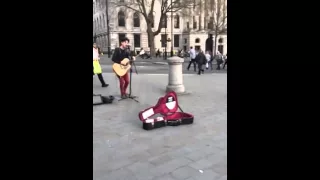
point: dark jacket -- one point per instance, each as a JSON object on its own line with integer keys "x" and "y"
{"x": 201, "y": 58}
{"x": 218, "y": 58}
{"x": 119, "y": 54}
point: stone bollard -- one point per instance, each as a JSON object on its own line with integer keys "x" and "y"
{"x": 175, "y": 75}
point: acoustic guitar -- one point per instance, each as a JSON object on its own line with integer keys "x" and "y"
{"x": 122, "y": 68}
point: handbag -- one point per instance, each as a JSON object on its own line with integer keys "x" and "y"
{"x": 96, "y": 67}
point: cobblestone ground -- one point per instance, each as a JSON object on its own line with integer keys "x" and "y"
{"x": 122, "y": 150}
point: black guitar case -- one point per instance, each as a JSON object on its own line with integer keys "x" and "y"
{"x": 104, "y": 99}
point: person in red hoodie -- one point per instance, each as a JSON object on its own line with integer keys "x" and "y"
{"x": 119, "y": 54}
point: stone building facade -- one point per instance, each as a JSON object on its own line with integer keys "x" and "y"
{"x": 187, "y": 31}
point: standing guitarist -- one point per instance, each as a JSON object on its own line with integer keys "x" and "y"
{"x": 118, "y": 55}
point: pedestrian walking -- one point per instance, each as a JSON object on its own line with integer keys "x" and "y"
{"x": 192, "y": 53}
{"x": 96, "y": 65}
{"x": 201, "y": 60}
{"x": 208, "y": 58}
{"x": 225, "y": 62}
{"x": 219, "y": 59}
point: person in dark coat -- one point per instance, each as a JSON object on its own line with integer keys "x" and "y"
{"x": 219, "y": 59}
{"x": 201, "y": 60}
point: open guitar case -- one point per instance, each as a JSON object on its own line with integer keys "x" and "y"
{"x": 167, "y": 107}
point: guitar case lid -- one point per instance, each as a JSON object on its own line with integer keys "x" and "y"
{"x": 167, "y": 106}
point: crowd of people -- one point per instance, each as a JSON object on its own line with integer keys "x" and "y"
{"x": 199, "y": 59}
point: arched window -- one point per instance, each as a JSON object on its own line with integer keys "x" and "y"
{"x": 136, "y": 20}
{"x": 221, "y": 40}
{"x": 197, "y": 40}
{"x": 176, "y": 21}
{"x": 121, "y": 19}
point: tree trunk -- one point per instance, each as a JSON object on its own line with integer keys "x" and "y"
{"x": 151, "y": 41}
{"x": 215, "y": 42}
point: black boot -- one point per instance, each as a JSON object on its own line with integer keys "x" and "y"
{"x": 103, "y": 84}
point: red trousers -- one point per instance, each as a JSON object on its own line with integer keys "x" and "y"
{"x": 124, "y": 82}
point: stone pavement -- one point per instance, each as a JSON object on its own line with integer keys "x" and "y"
{"x": 122, "y": 150}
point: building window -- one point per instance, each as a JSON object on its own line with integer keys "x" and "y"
{"x": 185, "y": 40}
{"x": 210, "y": 24}
{"x": 221, "y": 40}
{"x": 102, "y": 42}
{"x": 176, "y": 21}
{"x": 163, "y": 40}
{"x": 197, "y": 40}
{"x": 103, "y": 21}
{"x": 188, "y": 27}
{"x": 176, "y": 40}
{"x": 121, "y": 19}
{"x": 136, "y": 20}
{"x": 184, "y": 48}
{"x": 99, "y": 23}
{"x": 194, "y": 25}
{"x": 220, "y": 48}
{"x": 121, "y": 36}
{"x": 136, "y": 38}
{"x": 164, "y": 21}
{"x": 105, "y": 40}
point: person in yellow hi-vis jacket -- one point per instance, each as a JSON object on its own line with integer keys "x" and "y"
{"x": 96, "y": 65}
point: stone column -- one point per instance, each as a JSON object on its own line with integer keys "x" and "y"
{"x": 175, "y": 75}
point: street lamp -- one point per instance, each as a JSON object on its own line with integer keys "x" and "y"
{"x": 171, "y": 30}
{"x": 108, "y": 27}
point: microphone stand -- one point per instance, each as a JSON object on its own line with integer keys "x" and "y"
{"x": 130, "y": 86}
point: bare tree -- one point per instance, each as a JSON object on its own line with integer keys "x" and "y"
{"x": 218, "y": 14}
{"x": 146, "y": 9}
